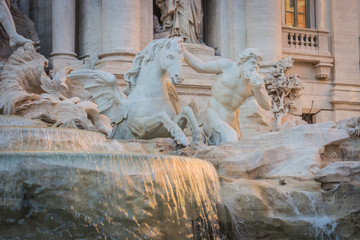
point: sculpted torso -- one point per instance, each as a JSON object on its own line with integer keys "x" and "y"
{"x": 229, "y": 92}
{"x": 233, "y": 84}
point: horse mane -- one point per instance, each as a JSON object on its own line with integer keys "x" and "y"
{"x": 145, "y": 56}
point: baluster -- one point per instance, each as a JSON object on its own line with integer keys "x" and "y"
{"x": 295, "y": 39}
{"x": 305, "y": 41}
{"x": 310, "y": 42}
{"x": 316, "y": 43}
{"x": 291, "y": 40}
{"x": 300, "y": 38}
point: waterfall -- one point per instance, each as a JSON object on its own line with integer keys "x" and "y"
{"x": 66, "y": 183}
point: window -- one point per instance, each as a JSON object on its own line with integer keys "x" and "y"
{"x": 297, "y": 13}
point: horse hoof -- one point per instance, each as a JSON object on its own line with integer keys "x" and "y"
{"x": 183, "y": 141}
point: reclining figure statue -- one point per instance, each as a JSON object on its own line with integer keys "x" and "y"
{"x": 233, "y": 84}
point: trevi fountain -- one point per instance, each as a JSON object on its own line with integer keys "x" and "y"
{"x": 81, "y": 158}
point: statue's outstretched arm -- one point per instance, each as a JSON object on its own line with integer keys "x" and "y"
{"x": 204, "y": 67}
{"x": 261, "y": 96}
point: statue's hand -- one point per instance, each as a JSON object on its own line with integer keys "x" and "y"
{"x": 256, "y": 79}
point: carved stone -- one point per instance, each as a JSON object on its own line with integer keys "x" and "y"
{"x": 233, "y": 84}
{"x": 151, "y": 108}
{"x": 20, "y": 79}
{"x": 285, "y": 92}
{"x": 26, "y": 90}
{"x": 181, "y": 18}
{"x": 15, "y": 29}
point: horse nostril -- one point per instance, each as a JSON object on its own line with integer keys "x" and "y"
{"x": 177, "y": 75}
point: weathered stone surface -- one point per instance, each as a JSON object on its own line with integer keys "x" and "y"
{"x": 253, "y": 119}
{"x": 291, "y": 153}
{"x": 339, "y": 172}
{"x": 11, "y": 120}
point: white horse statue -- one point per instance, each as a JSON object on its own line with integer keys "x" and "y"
{"x": 152, "y": 107}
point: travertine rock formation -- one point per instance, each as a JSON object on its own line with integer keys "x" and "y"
{"x": 268, "y": 189}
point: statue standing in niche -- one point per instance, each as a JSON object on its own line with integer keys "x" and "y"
{"x": 182, "y": 18}
{"x": 233, "y": 84}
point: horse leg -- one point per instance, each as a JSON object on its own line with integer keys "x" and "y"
{"x": 187, "y": 116}
{"x": 152, "y": 124}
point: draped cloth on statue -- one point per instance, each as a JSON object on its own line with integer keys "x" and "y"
{"x": 187, "y": 19}
{"x": 24, "y": 26}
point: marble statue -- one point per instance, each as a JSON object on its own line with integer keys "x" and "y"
{"x": 15, "y": 29}
{"x": 8, "y": 23}
{"x": 182, "y": 18}
{"x": 233, "y": 84}
{"x": 151, "y": 108}
{"x": 26, "y": 90}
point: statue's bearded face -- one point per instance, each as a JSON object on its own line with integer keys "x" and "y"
{"x": 251, "y": 67}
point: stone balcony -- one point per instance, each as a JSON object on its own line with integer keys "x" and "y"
{"x": 308, "y": 45}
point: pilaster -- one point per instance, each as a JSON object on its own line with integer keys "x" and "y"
{"x": 263, "y": 28}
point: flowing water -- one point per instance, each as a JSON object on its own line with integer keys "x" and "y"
{"x": 71, "y": 184}
{"x": 309, "y": 213}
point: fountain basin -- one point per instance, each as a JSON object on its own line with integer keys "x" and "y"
{"x": 96, "y": 195}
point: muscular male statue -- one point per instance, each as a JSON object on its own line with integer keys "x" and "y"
{"x": 233, "y": 84}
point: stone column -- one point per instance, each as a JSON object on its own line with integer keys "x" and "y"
{"x": 263, "y": 28}
{"x": 120, "y": 30}
{"x": 63, "y": 29}
{"x": 320, "y": 14}
{"x": 89, "y": 29}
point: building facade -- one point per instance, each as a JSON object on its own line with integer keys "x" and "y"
{"x": 322, "y": 36}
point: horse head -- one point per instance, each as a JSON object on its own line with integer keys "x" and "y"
{"x": 165, "y": 53}
{"x": 170, "y": 59}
